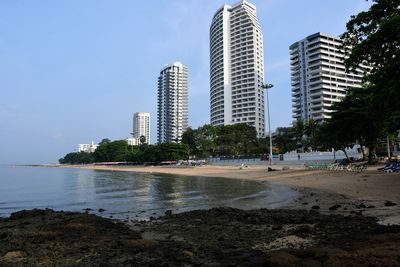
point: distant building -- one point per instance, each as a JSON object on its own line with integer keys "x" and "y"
{"x": 89, "y": 148}
{"x": 237, "y": 67}
{"x": 141, "y": 126}
{"x": 172, "y": 115}
{"x": 133, "y": 141}
{"x": 319, "y": 77}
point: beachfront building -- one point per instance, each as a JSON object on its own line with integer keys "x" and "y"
{"x": 172, "y": 113}
{"x": 88, "y": 148}
{"x": 318, "y": 76}
{"x": 141, "y": 126}
{"x": 237, "y": 67}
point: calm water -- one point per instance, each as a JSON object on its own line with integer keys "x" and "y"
{"x": 133, "y": 195}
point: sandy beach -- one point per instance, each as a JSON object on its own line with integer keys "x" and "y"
{"x": 371, "y": 193}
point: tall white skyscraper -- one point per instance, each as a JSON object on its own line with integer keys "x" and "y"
{"x": 319, "y": 77}
{"x": 172, "y": 117}
{"x": 237, "y": 67}
{"x": 141, "y": 126}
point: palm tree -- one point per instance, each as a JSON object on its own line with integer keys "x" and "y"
{"x": 142, "y": 139}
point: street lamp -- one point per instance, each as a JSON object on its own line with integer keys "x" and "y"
{"x": 266, "y": 87}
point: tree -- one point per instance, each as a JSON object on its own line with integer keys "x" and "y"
{"x": 188, "y": 138}
{"x": 205, "y": 138}
{"x": 142, "y": 139}
{"x": 77, "y": 158}
{"x": 299, "y": 130}
{"x": 105, "y": 141}
{"x": 285, "y": 139}
{"x": 310, "y": 130}
{"x": 351, "y": 122}
{"x": 111, "y": 151}
{"x": 373, "y": 39}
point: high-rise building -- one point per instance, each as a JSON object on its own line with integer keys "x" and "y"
{"x": 237, "y": 67}
{"x": 172, "y": 117}
{"x": 141, "y": 126}
{"x": 319, "y": 77}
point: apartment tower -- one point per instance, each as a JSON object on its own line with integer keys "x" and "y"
{"x": 172, "y": 117}
{"x": 319, "y": 77}
{"x": 141, "y": 126}
{"x": 237, "y": 67}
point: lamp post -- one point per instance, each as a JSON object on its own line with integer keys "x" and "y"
{"x": 266, "y": 87}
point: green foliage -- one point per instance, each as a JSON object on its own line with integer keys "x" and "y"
{"x": 373, "y": 111}
{"x": 206, "y": 140}
{"x": 105, "y": 141}
{"x": 351, "y": 123}
{"x": 373, "y": 38}
{"x": 77, "y": 158}
{"x": 189, "y": 139}
{"x": 285, "y": 139}
{"x": 224, "y": 140}
{"x": 236, "y": 139}
{"x": 301, "y": 136}
{"x": 111, "y": 151}
{"x": 119, "y": 151}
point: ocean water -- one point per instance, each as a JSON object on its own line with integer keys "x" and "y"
{"x": 130, "y": 195}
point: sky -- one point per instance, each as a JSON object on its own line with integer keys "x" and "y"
{"x": 75, "y": 71}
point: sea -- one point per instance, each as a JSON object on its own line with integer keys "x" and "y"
{"x": 130, "y": 195}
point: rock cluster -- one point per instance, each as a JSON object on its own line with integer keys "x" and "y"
{"x": 215, "y": 237}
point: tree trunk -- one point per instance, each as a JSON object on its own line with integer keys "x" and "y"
{"x": 345, "y": 153}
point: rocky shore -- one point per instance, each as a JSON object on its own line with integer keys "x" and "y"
{"x": 215, "y": 237}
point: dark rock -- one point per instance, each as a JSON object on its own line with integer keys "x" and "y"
{"x": 101, "y": 210}
{"x": 276, "y": 227}
{"x": 215, "y": 237}
{"x": 361, "y": 206}
{"x": 168, "y": 212}
{"x": 315, "y": 207}
{"x": 335, "y": 207}
{"x": 389, "y": 203}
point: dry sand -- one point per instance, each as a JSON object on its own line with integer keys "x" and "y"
{"x": 354, "y": 192}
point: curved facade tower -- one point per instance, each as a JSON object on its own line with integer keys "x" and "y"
{"x": 172, "y": 115}
{"x": 237, "y": 67}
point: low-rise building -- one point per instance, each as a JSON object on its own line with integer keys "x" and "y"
{"x": 133, "y": 141}
{"x": 89, "y": 148}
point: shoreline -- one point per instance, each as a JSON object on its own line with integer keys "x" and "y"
{"x": 342, "y": 231}
{"x": 370, "y": 193}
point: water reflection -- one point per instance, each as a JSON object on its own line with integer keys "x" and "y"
{"x": 124, "y": 194}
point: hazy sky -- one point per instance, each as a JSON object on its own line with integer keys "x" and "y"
{"x": 74, "y": 71}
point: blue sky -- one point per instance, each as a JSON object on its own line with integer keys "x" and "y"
{"x": 75, "y": 71}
